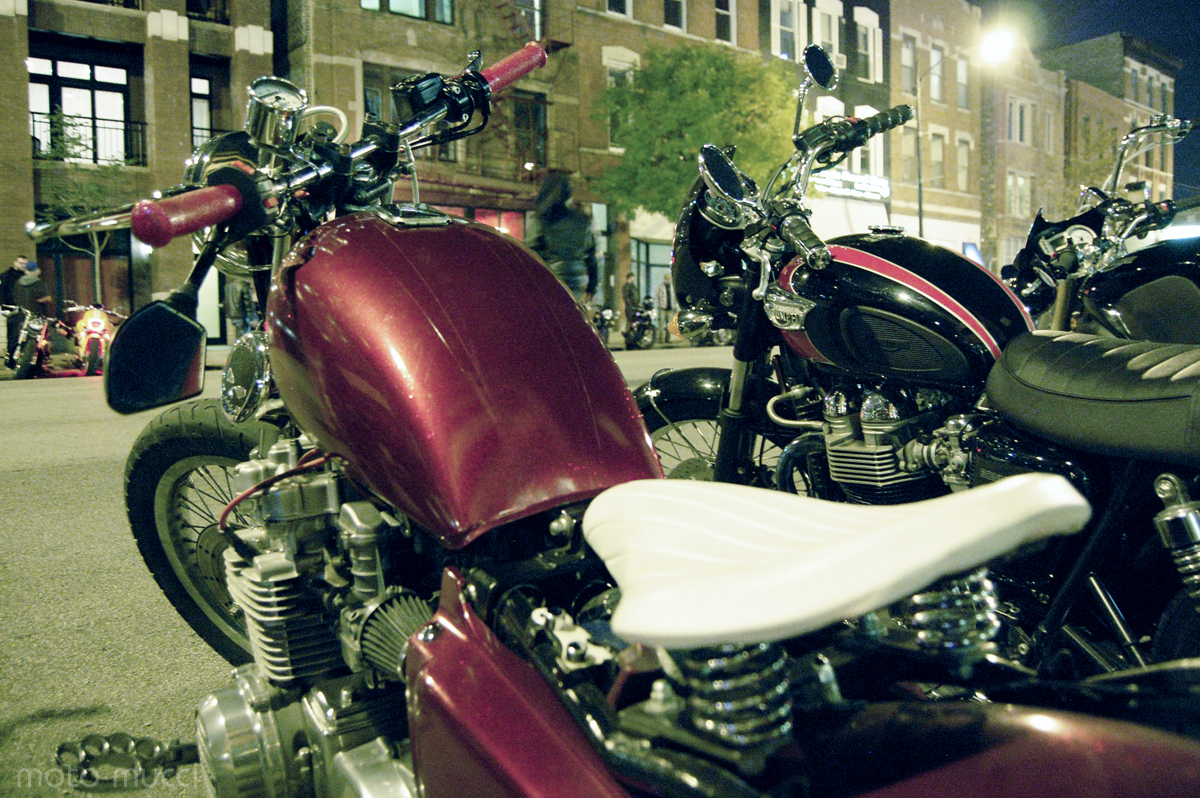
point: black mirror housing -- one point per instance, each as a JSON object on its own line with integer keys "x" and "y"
{"x": 156, "y": 358}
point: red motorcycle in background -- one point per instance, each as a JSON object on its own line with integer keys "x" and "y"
{"x": 92, "y": 328}
{"x": 461, "y": 573}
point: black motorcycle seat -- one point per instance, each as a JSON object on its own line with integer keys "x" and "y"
{"x": 1111, "y": 396}
{"x": 708, "y": 563}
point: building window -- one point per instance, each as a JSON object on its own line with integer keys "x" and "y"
{"x": 869, "y": 46}
{"x": 908, "y": 65}
{"x": 788, "y": 32}
{"x": 617, "y": 77}
{"x": 208, "y": 10}
{"x": 1020, "y": 194}
{"x": 827, "y": 20}
{"x": 673, "y": 13}
{"x": 937, "y": 160}
{"x": 619, "y": 7}
{"x": 534, "y": 12}
{"x": 964, "y": 164}
{"x": 937, "y": 60}
{"x": 1150, "y": 91}
{"x": 441, "y": 11}
{"x": 1133, "y": 85}
{"x": 964, "y": 94}
{"x": 1020, "y": 121}
{"x": 529, "y": 124}
{"x": 79, "y": 111}
{"x": 201, "y": 111}
{"x": 908, "y": 154}
{"x": 725, "y": 20}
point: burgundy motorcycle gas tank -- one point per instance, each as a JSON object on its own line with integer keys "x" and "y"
{"x": 453, "y": 373}
{"x": 895, "y": 306}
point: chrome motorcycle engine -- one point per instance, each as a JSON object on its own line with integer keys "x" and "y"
{"x": 880, "y": 445}
{"x": 321, "y": 711}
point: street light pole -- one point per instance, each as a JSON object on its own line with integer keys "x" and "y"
{"x": 920, "y": 190}
{"x": 994, "y": 48}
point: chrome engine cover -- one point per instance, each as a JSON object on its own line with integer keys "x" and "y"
{"x": 256, "y": 739}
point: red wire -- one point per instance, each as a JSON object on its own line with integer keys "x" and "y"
{"x": 306, "y": 463}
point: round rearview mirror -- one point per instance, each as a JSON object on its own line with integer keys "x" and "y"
{"x": 719, "y": 173}
{"x": 820, "y": 67}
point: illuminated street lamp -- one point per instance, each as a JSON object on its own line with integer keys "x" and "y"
{"x": 994, "y": 48}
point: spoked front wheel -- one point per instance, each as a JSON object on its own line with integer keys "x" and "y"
{"x": 178, "y": 480}
{"x": 685, "y": 436}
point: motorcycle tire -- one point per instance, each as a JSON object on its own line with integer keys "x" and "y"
{"x": 1178, "y": 632}
{"x": 26, "y": 359}
{"x": 91, "y": 358}
{"x": 178, "y": 479}
{"x": 687, "y": 444}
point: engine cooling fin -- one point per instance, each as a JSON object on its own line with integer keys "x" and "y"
{"x": 289, "y": 639}
{"x": 387, "y": 629}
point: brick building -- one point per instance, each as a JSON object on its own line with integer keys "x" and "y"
{"x": 936, "y": 68}
{"x": 147, "y": 79}
{"x": 1141, "y": 77}
{"x": 136, "y": 84}
{"x": 1022, "y": 153}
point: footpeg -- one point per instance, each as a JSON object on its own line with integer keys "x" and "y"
{"x": 119, "y": 762}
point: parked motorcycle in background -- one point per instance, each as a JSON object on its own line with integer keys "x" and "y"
{"x": 859, "y": 375}
{"x": 1120, "y": 267}
{"x": 604, "y": 319}
{"x": 31, "y": 357}
{"x": 640, "y": 334}
{"x": 428, "y": 556}
{"x": 92, "y": 326}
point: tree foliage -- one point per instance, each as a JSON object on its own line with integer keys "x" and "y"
{"x": 682, "y": 98}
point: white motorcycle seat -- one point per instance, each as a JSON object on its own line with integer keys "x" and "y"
{"x": 704, "y": 563}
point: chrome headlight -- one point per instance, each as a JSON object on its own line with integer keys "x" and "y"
{"x": 785, "y": 309}
{"x": 246, "y": 383}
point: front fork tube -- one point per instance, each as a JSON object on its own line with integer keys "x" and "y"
{"x": 735, "y": 444}
{"x": 735, "y": 439}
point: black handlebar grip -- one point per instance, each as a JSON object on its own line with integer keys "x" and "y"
{"x": 886, "y": 120}
{"x": 797, "y": 233}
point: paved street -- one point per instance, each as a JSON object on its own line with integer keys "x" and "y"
{"x": 88, "y": 644}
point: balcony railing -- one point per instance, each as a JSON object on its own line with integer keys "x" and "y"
{"x": 137, "y": 4}
{"x": 209, "y": 10}
{"x": 82, "y": 139}
{"x": 203, "y": 134}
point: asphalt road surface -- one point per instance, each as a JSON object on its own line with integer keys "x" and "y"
{"x": 88, "y": 643}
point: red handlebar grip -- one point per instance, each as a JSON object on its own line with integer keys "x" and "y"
{"x": 508, "y": 71}
{"x": 158, "y": 222}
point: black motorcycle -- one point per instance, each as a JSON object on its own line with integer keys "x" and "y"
{"x": 882, "y": 369}
{"x": 1120, "y": 267}
{"x": 640, "y": 334}
{"x": 603, "y": 320}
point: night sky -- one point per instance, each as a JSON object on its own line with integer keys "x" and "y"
{"x": 1173, "y": 25}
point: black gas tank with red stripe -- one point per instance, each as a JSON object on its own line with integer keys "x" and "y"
{"x": 891, "y": 305}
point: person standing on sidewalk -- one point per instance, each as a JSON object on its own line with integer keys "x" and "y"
{"x": 664, "y": 300}
{"x": 629, "y": 297}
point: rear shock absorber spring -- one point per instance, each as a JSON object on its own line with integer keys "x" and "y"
{"x": 957, "y": 615}
{"x": 739, "y": 696}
